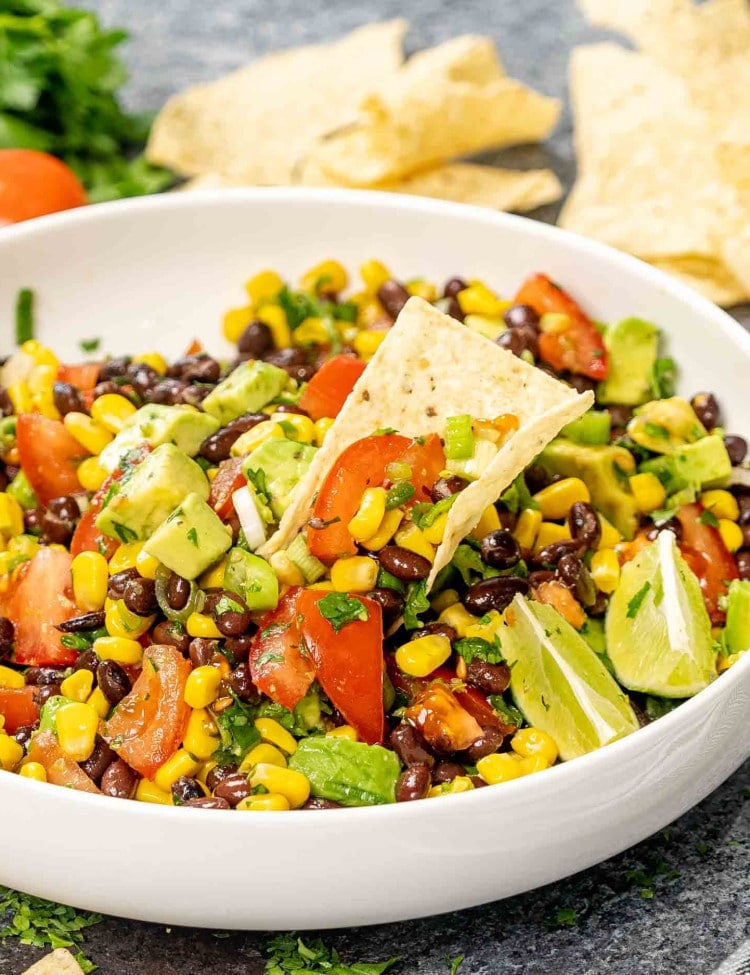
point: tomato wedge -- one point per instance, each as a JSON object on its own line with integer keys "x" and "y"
{"x": 279, "y": 664}
{"x": 49, "y": 456}
{"x": 229, "y": 479}
{"x": 18, "y": 707}
{"x": 579, "y": 347}
{"x": 326, "y": 392}
{"x": 149, "y": 723}
{"x": 362, "y": 465}
{"x": 704, "y": 550}
{"x": 84, "y": 375}
{"x": 349, "y": 663}
{"x": 60, "y": 769}
{"x": 40, "y": 597}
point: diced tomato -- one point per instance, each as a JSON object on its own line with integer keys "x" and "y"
{"x": 704, "y": 550}
{"x": 49, "y": 456}
{"x": 349, "y": 664}
{"x": 18, "y": 707}
{"x": 558, "y": 596}
{"x": 60, "y": 769}
{"x": 441, "y": 720}
{"x": 84, "y": 375}
{"x": 328, "y": 389}
{"x": 149, "y": 723}
{"x": 229, "y": 479}
{"x": 362, "y": 465}
{"x": 279, "y": 664}
{"x": 579, "y": 347}
{"x": 40, "y": 597}
{"x": 628, "y": 550}
{"x": 195, "y": 348}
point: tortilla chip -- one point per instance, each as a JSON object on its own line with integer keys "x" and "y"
{"x": 58, "y": 962}
{"x": 428, "y": 368}
{"x": 447, "y": 102}
{"x": 715, "y": 279}
{"x": 255, "y": 123}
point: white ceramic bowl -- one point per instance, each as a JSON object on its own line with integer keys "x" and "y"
{"x": 153, "y": 273}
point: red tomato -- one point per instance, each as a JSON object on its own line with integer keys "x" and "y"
{"x": 279, "y": 664}
{"x": 326, "y": 392}
{"x": 579, "y": 347}
{"x": 60, "y": 769}
{"x": 40, "y": 597}
{"x": 360, "y": 466}
{"x": 33, "y": 183}
{"x": 84, "y": 375}
{"x": 150, "y": 722}
{"x": 195, "y": 347}
{"x": 349, "y": 663}
{"x": 49, "y": 456}
{"x": 229, "y": 479}
{"x": 18, "y": 706}
{"x": 704, "y": 550}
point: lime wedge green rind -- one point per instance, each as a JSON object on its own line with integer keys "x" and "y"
{"x": 657, "y": 628}
{"x": 559, "y": 683}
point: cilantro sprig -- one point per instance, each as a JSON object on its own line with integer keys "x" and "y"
{"x": 339, "y": 608}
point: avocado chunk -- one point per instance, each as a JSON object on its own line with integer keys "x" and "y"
{"x": 247, "y": 389}
{"x": 191, "y": 539}
{"x": 251, "y": 577}
{"x": 605, "y": 470}
{"x": 349, "y": 772}
{"x": 704, "y": 463}
{"x": 665, "y": 425}
{"x": 283, "y": 463}
{"x": 155, "y": 487}
{"x": 632, "y": 346}
{"x": 593, "y": 427}
{"x": 155, "y": 424}
{"x": 736, "y": 636}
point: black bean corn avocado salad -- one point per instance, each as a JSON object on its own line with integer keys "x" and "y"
{"x": 149, "y": 652}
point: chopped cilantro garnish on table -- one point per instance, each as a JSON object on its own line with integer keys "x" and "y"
{"x": 41, "y": 923}
{"x": 290, "y": 955}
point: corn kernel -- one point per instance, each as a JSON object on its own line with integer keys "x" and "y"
{"x": 91, "y": 475}
{"x": 177, "y": 765}
{"x": 90, "y": 575}
{"x": 213, "y": 578}
{"x": 92, "y": 436}
{"x": 76, "y": 725}
{"x": 731, "y": 533}
{"x": 723, "y": 504}
{"x": 328, "y": 277}
{"x": 33, "y": 770}
{"x": 275, "y": 734}
{"x": 488, "y": 627}
{"x": 434, "y": 533}
{"x": 98, "y": 701}
{"x": 412, "y": 538}
{"x": 370, "y": 314}
{"x": 289, "y": 574}
{"x": 262, "y": 754}
{"x": 201, "y": 736}
{"x": 648, "y": 492}
{"x": 343, "y": 731}
{"x": 11, "y": 752}
{"x": 530, "y": 742}
{"x": 355, "y": 574}
{"x": 420, "y": 657}
{"x": 125, "y": 557}
{"x": 112, "y": 410}
{"x": 477, "y": 299}
{"x": 610, "y": 535}
{"x": 312, "y": 331}
{"x": 147, "y": 791}
{"x": 325, "y": 585}
{"x": 386, "y": 530}
{"x": 235, "y": 321}
{"x": 425, "y": 290}
{"x": 121, "y": 650}
{"x": 374, "y": 274}
{"x": 154, "y": 359}
{"x": 499, "y": 767}
{"x": 370, "y": 514}
{"x": 295, "y": 426}
{"x": 270, "y": 802}
{"x": 11, "y": 516}
{"x": 548, "y": 533}
{"x": 201, "y": 625}
{"x": 461, "y": 783}
{"x": 286, "y": 782}
{"x": 367, "y": 341}
{"x": 248, "y": 441}
{"x": 527, "y": 527}
{"x": 458, "y": 617}
{"x": 203, "y": 772}
{"x": 41, "y": 355}
{"x": 78, "y": 686}
{"x": 11, "y": 678}
{"x": 322, "y": 426}
{"x": 263, "y": 286}
{"x": 275, "y": 317}
{"x": 555, "y": 500}
{"x": 202, "y": 686}
{"x": 20, "y": 398}
{"x": 119, "y": 621}
{"x": 443, "y": 600}
{"x": 488, "y": 522}
{"x": 605, "y": 570}
{"x": 146, "y": 565}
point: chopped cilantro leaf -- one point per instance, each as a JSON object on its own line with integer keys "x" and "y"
{"x": 508, "y": 713}
{"x": 518, "y": 497}
{"x": 236, "y": 726}
{"x": 424, "y": 515}
{"x": 663, "y": 378}
{"x": 290, "y": 955}
{"x": 475, "y": 647}
{"x": 192, "y": 536}
{"x": 24, "y": 315}
{"x": 454, "y": 964}
{"x": 339, "y": 608}
{"x": 468, "y": 562}
{"x": 564, "y": 917}
{"x": 656, "y": 430}
{"x": 124, "y": 533}
{"x": 38, "y": 922}
{"x": 707, "y": 517}
{"x": 637, "y": 601}
{"x": 416, "y": 604}
{"x": 89, "y": 345}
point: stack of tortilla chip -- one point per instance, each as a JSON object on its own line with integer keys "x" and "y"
{"x": 353, "y": 113}
{"x": 663, "y": 139}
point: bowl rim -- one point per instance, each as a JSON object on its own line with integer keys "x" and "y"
{"x": 580, "y": 768}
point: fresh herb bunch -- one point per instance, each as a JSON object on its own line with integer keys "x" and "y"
{"x": 59, "y": 77}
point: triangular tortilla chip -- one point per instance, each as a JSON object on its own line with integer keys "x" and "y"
{"x": 428, "y": 368}
{"x": 57, "y": 962}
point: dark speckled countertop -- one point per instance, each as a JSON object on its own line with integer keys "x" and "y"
{"x": 676, "y": 904}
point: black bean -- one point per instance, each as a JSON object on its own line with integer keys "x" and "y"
{"x": 706, "y": 409}
{"x": 620, "y": 415}
{"x": 392, "y": 295}
{"x": 195, "y": 369}
{"x": 745, "y": 535}
{"x": 142, "y": 376}
{"x": 584, "y": 526}
{"x": 521, "y": 316}
{"x": 107, "y": 387}
{"x": 82, "y": 624}
{"x": 736, "y": 448}
{"x": 140, "y": 597}
{"x": 32, "y": 521}
{"x": 500, "y": 549}
{"x": 218, "y": 773}
{"x": 573, "y": 574}
{"x": 495, "y": 593}
{"x": 242, "y": 684}
{"x": 453, "y": 286}
{"x": 99, "y": 760}
{"x": 119, "y": 780}
{"x": 194, "y": 394}
{"x": 743, "y": 563}
{"x": 673, "y": 525}
{"x": 87, "y": 660}
{"x": 454, "y": 310}
{"x": 167, "y": 392}
{"x": 293, "y": 362}
{"x": 113, "y": 682}
{"x": 489, "y": 741}
{"x": 518, "y": 340}
{"x": 66, "y": 508}
{"x": 23, "y": 734}
{"x": 11, "y": 471}
{"x": 59, "y": 519}
{"x": 7, "y": 636}
{"x": 234, "y": 788}
{"x": 256, "y": 339}
{"x": 538, "y": 576}
{"x": 445, "y": 487}
{"x": 67, "y": 399}
{"x": 208, "y": 802}
{"x": 44, "y": 676}
{"x": 582, "y": 384}
{"x": 316, "y": 802}
{"x": 391, "y": 603}
{"x": 178, "y": 592}
{"x": 536, "y": 478}
{"x": 404, "y": 564}
{"x": 202, "y": 650}
{"x": 289, "y": 408}
{"x": 413, "y": 783}
{"x": 436, "y": 629}
{"x": 172, "y": 634}
{"x": 490, "y": 678}
{"x": 447, "y": 771}
{"x": 114, "y": 368}
{"x": 46, "y": 692}
{"x": 186, "y": 788}
{"x": 6, "y": 404}
{"x": 552, "y": 553}
{"x": 239, "y": 646}
{"x": 216, "y": 448}
{"x": 119, "y": 581}
{"x": 410, "y": 746}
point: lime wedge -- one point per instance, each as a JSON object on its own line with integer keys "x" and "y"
{"x": 658, "y": 631}
{"x": 559, "y": 683}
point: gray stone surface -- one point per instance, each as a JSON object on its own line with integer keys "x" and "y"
{"x": 700, "y": 908}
